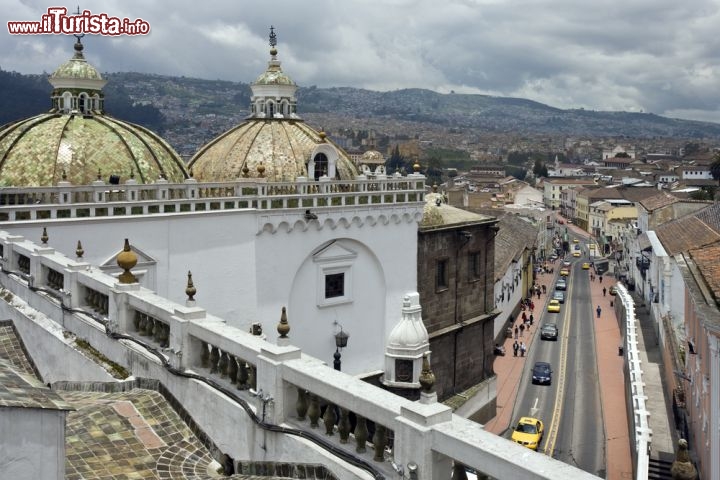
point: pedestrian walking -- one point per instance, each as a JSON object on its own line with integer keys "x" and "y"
{"x": 538, "y": 293}
{"x": 524, "y": 317}
{"x": 532, "y": 319}
{"x": 532, "y": 306}
{"x": 598, "y": 310}
{"x": 544, "y": 289}
{"x": 516, "y": 347}
{"x": 522, "y": 326}
{"x": 604, "y": 291}
{"x": 522, "y": 349}
{"x": 600, "y": 278}
{"x": 516, "y": 332}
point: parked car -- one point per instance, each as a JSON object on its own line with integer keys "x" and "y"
{"x": 559, "y": 296}
{"x": 528, "y": 432}
{"x": 553, "y": 306}
{"x": 613, "y": 290}
{"x": 561, "y": 284}
{"x": 549, "y": 331}
{"x": 542, "y": 373}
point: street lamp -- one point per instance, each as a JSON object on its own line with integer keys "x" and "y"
{"x": 341, "y": 339}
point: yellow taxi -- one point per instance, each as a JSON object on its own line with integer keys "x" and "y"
{"x": 564, "y": 272}
{"x": 575, "y": 240}
{"x": 528, "y": 432}
{"x": 576, "y": 253}
{"x": 553, "y": 306}
{"x": 586, "y": 266}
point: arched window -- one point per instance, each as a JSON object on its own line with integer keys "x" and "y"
{"x": 66, "y": 104}
{"x": 83, "y": 103}
{"x": 321, "y": 166}
{"x": 271, "y": 109}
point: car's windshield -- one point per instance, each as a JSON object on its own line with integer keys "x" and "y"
{"x": 526, "y": 428}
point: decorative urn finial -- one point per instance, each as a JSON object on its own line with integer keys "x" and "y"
{"x": 127, "y": 260}
{"x": 416, "y": 167}
{"x": 682, "y": 468}
{"x": 261, "y": 170}
{"x": 190, "y": 289}
{"x": 79, "y": 252}
{"x": 427, "y": 377}
{"x": 245, "y": 171}
{"x": 283, "y": 326}
{"x": 44, "y": 237}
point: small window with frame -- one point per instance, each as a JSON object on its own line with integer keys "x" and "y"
{"x": 442, "y": 280}
{"x": 334, "y": 274}
{"x": 474, "y": 266}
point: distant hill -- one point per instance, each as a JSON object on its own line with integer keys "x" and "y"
{"x": 172, "y": 104}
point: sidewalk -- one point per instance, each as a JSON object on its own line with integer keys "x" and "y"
{"x": 618, "y": 461}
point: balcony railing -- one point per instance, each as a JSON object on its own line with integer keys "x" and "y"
{"x": 101, "y": 200}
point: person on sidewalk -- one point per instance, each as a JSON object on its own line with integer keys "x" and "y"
{"x": 532, "y": 319}
{"x": 600, "y": 278}
{"x": 516, "y": 332}
{"x": 604, "y": 291}
{"x": 522, "y": 329}
{"x": 599, "y": 311}
{"x": 516, "y": 347}
{"x": 523, "y": 349}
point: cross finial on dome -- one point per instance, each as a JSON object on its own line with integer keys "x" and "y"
{"x": 273, "y": 37}
{"x": 78, "y": 44}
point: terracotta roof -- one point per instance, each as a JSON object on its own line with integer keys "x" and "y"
{"x": 692, "y": 231}
{"x": 707, "y": 260}
{"x": 662, "y": 199}
{"x": 514, "y": 236}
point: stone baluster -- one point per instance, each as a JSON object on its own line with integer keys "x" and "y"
{"x": 459, "y": 471}
{"x": 313, "y": 412}
{"x": 242, "y": 383}
{"x": 301, "y": 405}
{"x": 361, "y": 434}
{"x": 204, "y": 355}
{"x": 252, "y": 377}
{"x": 165, "y": 335}
{"x": 214, "y": 357}
{"x": 142, "y": 325}
{"x": 232, "y": 369}
{"x": 156, "y": 327}
{"x": 344, "y": 425}
{"x": 136, "y": 321}
{"x": 379, "y": 442}
{"x": 223, "y": 364}
{"x": 329, "y": 419}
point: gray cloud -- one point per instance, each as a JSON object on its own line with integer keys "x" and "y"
{"x": 657, "y": 56}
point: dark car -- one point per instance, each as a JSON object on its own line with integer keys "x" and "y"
{"x": 561, "y": 284}
{"x": 559, "y": 296}
{"x": 549, "y": 331}
{"x": 542, "y": 373}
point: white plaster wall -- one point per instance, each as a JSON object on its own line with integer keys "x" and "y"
{"x": 218, "y": 247}
{"x": 244, "y": 276}
{"x": 383, "y": 272}
{"x": 32, "y": 444}
{"x": 53, "y": 354}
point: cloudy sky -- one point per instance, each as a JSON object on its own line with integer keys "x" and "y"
{"x": 659, "y": 56}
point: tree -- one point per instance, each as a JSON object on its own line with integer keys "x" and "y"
{"x": 396, "y": 162}
{"x": 715, "y": 168}
{"x": 540, "y": 170}
{"x": 622, "y": 155}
